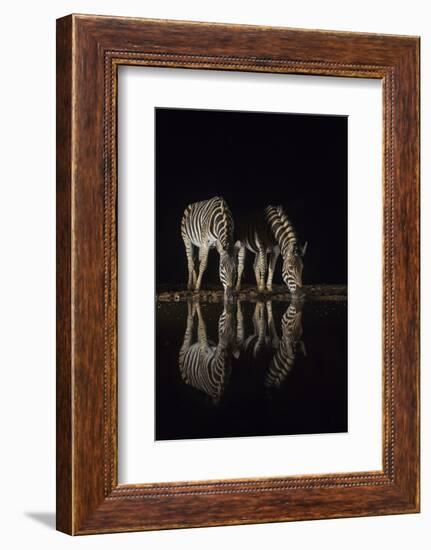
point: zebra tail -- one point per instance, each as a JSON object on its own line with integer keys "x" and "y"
{"x": 184, "y": 219}
{"x": 226, "y": 236}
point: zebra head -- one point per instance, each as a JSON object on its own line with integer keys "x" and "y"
{"x": 285, "y": 357}
{"x": 292, "y": 267}
{"x": 227, "y": 270}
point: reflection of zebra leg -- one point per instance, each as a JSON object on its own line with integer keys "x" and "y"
{"x": 271, "y": 267}
{"x": 203, "y": 260}
{"x": 259, "y": 327}
{"x": 239, "y": 324}
{"x": 273, "y": 336}
{"x": 188, "y": 336}
{"x": 190, "y": 263}
{"x": 202, "y": 327}
{"x": 241, "y": 262}
{"x": 258, "y": 317}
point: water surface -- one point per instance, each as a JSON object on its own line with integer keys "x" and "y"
{"x": 250, "y": 368}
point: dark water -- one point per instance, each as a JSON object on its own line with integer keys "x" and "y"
{"x": 250, "y": 369}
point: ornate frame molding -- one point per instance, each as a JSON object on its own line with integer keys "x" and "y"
{"x": 90, "y": 49}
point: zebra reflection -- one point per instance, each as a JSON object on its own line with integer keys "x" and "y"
{"x": 285, "y": 356}
{"x": 203, "y": 364}
{"x": 264, "y": 336}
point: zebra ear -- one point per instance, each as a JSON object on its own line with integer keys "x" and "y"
{"x": 304, "y": 248}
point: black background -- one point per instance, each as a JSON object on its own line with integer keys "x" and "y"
{"x": 252, "y": 160}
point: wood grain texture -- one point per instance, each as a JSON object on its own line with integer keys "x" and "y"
{"x": 90, "y": 49}
{"x": 64, "y": 497}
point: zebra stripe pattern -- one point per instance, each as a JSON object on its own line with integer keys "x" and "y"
{"x": 206, "y": 225}
{"x": 285, "y": 235}
{"x": 254, "y": 234}
{"x": 264, "y": 336}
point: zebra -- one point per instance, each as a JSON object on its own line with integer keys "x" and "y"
{"x": 284, "y": 358}
{"x": 254, "y": 234}
{"x": 205, "y": 225}
{"x": 203, "y": 364}
{"x": 291, "y": 252}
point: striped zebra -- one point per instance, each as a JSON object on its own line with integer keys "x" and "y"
{"x": 205, "y": 225}
{"x": 255, "y": 235}
{"x": 203, "y": 364}
{"x": 291, "y": 252}
{"x": 284, "y": 358}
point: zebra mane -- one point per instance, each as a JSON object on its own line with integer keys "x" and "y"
{"x": 282, "y": 229}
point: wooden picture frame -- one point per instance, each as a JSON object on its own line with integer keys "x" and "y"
{"x": 89, "y": 51}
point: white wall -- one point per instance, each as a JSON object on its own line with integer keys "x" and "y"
{"x": 27, "y": 309}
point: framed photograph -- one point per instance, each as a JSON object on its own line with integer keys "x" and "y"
{"x": 237, "y": 274}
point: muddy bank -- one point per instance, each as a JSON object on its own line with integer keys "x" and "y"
{"x": 250, "y": 293}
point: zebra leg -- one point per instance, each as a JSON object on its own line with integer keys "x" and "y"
{"x": 203, "y": 260}
{"x": 261, "y": 270}
{"x": 271, "y": 267}
{"x": 202, "y": 328}
{"x": 241, "y": 262}
{"x": 239, "y": 324}
{"x": 190, "y": 263}
{"x": 273, "y": 336}
{"x": 256, "y": 269}
{"x": 188, "y": 338}
{"x": 259, "y": 327}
